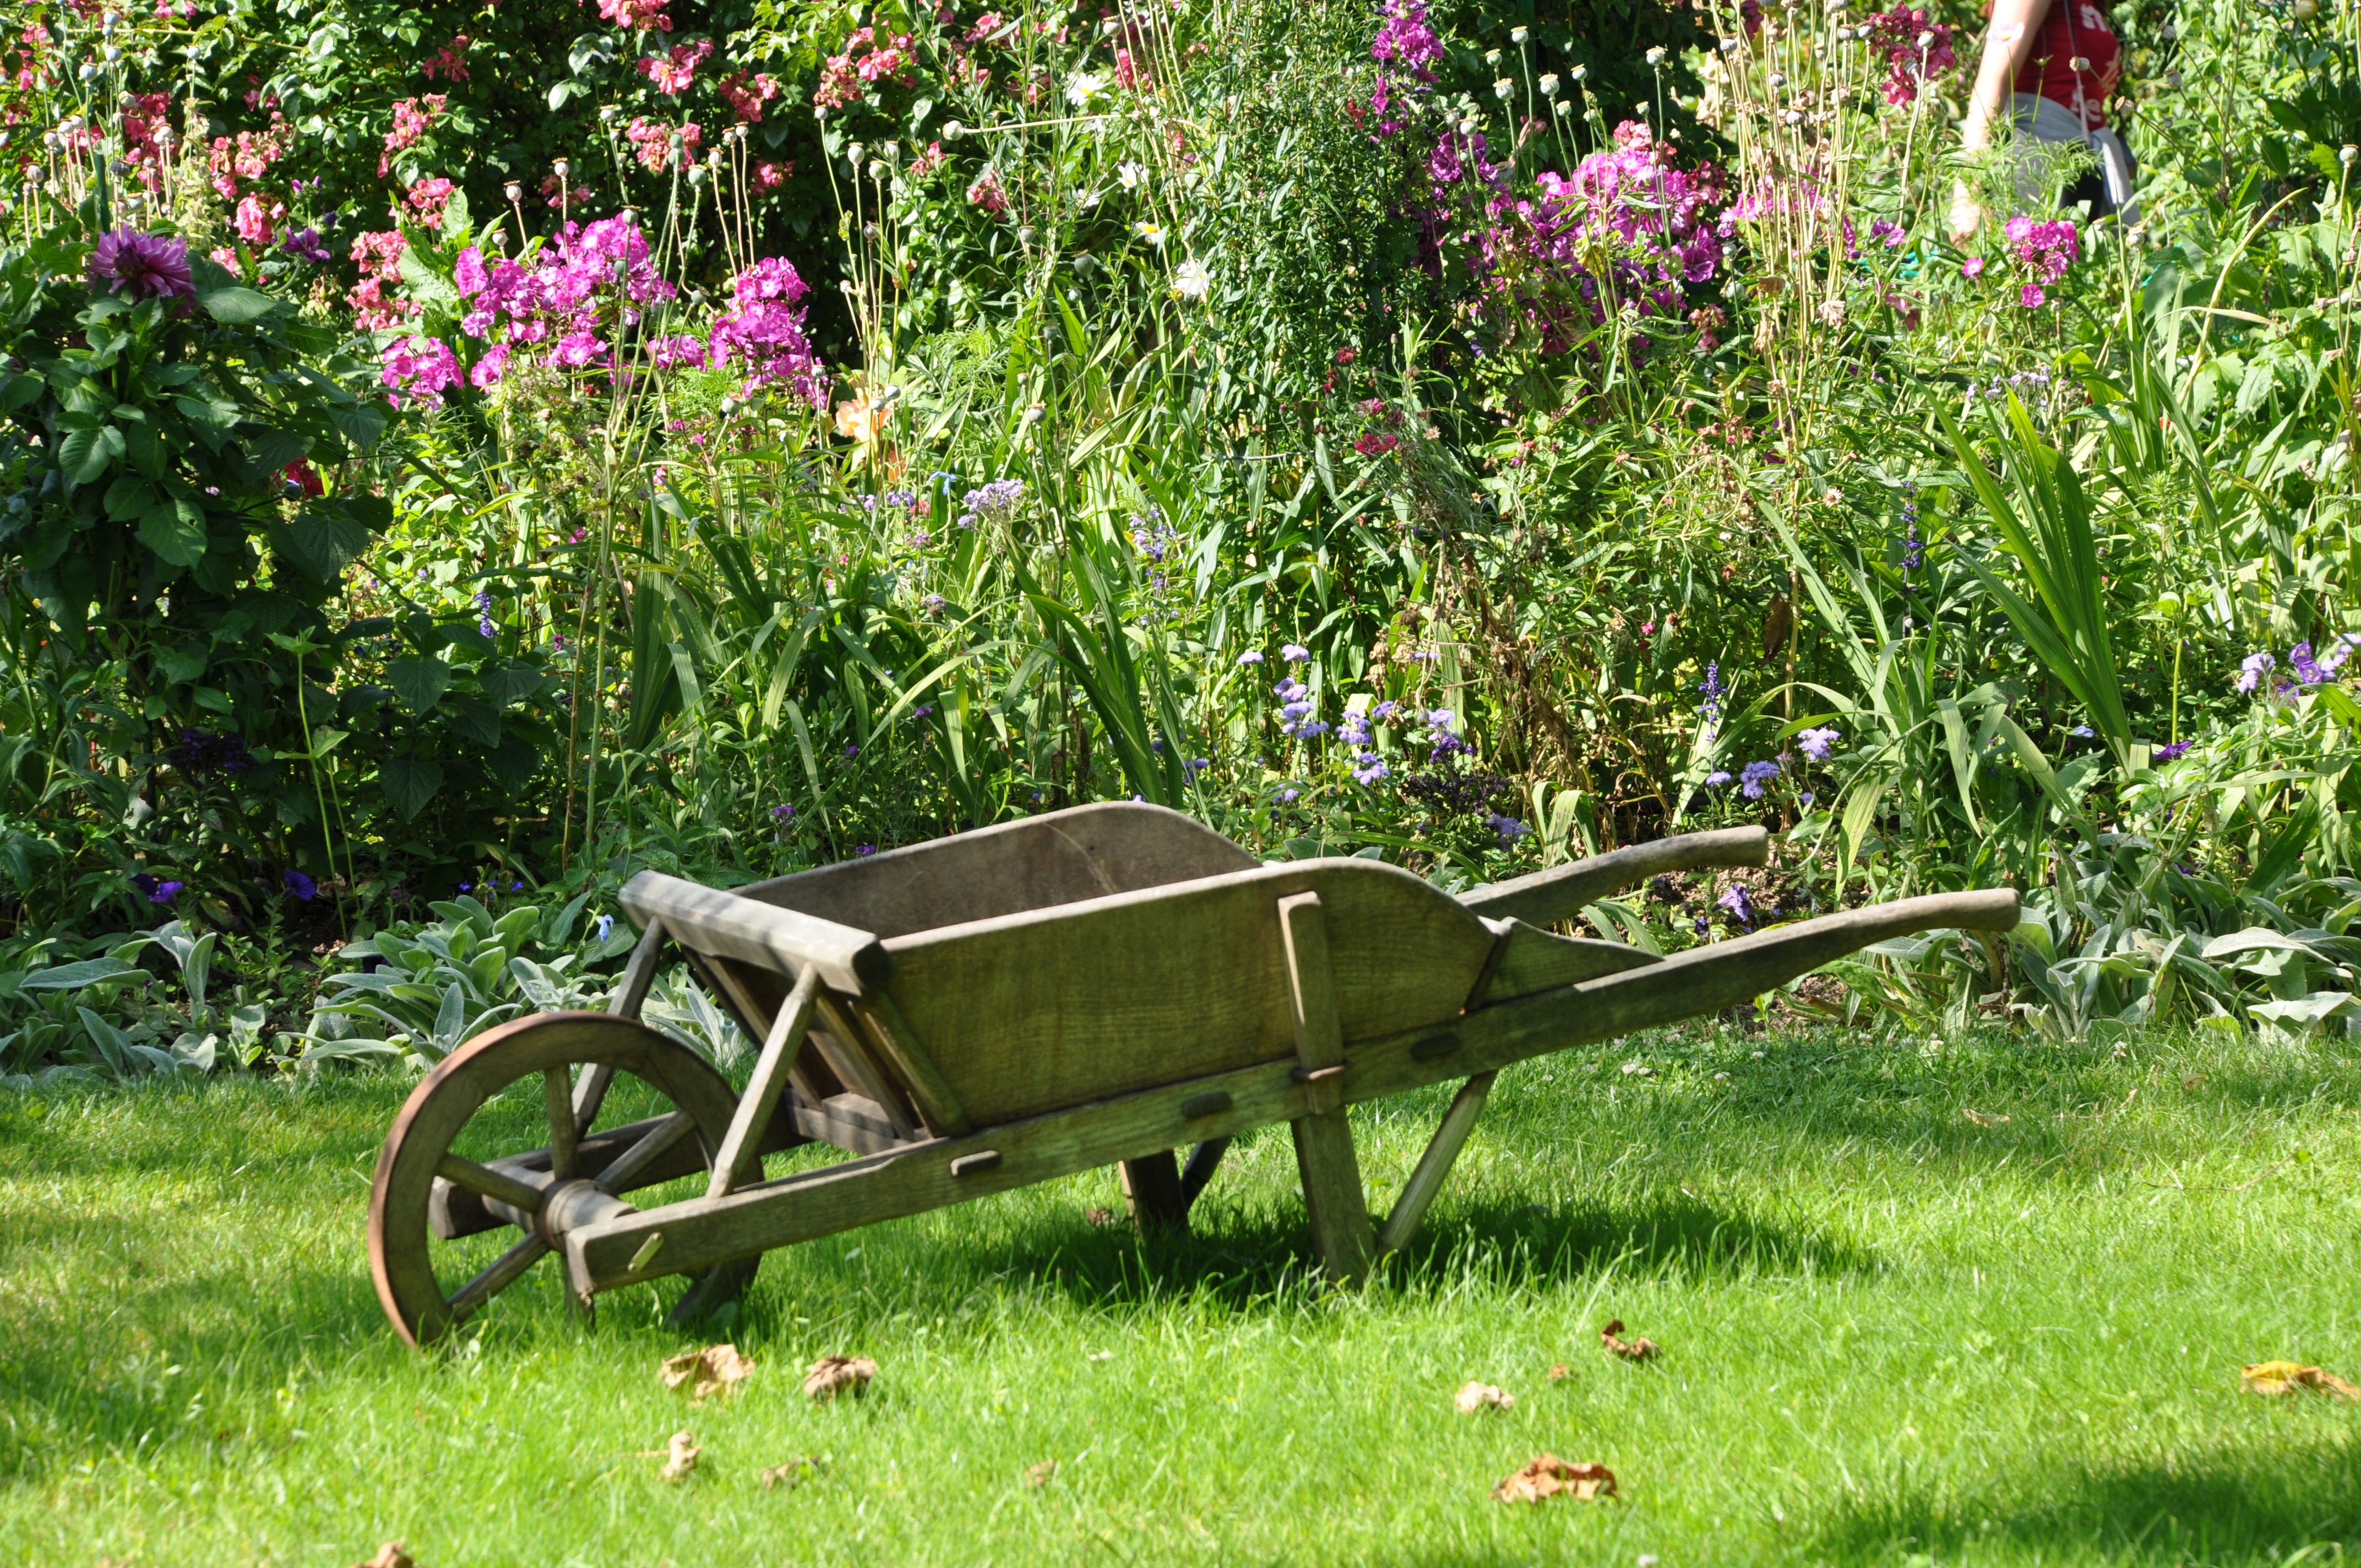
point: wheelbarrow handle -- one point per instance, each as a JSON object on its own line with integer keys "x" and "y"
{"x": 1562, "y": 891}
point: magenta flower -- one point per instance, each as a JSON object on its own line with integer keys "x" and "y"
{"x": 1973, "y": 267}
{"x": 418, "y": 368}
{"x": 145, "y": 265}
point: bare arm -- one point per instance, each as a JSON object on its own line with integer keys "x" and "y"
{"x": 2008, "y": 44}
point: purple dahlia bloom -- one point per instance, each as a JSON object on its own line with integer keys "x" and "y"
{"x": 145, "y": 265}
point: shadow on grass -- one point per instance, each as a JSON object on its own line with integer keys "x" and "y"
{"x": 1248, "y": 1258}
{"x": 2254, "y": 1505}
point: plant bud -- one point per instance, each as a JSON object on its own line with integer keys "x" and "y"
{"x": 1518, "y": 36}
{"x": 1656, "y": 55}
{"x": 1502, "y": 88}
{"x": 1548, "y": 84}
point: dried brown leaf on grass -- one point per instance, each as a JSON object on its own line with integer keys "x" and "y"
{"x": 2278, "y": 1378}
{"x": 833, "y": 1375}
{"x": 390, "y": 1555}
{"x": 682, "y": 1452}
{"x": 791, "y": 1474}
{"x": 1098, "y": 1216}
{"x": 716, "y": 1369}
{"x": 1549, "y": 1476}
{"x": 1473, "y": 1397}
{"x": 1560, "y": 1373}
{"x": 1610, "y": 1339}
{"x": 1039, "y": 1475}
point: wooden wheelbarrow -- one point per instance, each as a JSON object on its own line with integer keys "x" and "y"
{"x": 1100, "y": 985}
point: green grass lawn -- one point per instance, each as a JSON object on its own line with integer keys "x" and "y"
{"x": 1891, "y": 1334}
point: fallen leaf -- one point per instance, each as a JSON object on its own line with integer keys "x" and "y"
{"x": 2278, "y": 1378}
{"x": 1610, "y": 1338}
{"x": 716, "y": 1369}
{"x": 1549, "y": 1476}
{"x": 792, "y": 1473}
{"x": 1560, "y": 1373}
{"x": 1098, "y": 1216}
{"x": 390, "y": 1555}
{"x": 682, "y": 1451}
{"x": 1474, "y": 1397}
{"x": 1038, "y": 1474}
{"x": 832, "y": 1375}
{"x": 1981, "y": 1120}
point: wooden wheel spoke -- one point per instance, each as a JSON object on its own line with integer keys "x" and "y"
{"x": 488, "y": 1182}
{"x": 504, "y": 1271}
{"x": 558, "y": 1085}
{"x": 590, "y": 1095}
{"x": 658, "y": 1140}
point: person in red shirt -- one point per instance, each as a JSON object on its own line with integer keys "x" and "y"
{"x": 2049, "y": 66}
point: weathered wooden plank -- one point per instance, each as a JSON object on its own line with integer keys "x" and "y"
{"x": 1426, "y": 1180}
{"x": 891, "y": 1032}
{"x": 498, "y": 1275}
{"x": 489, "y": 1181}
{"x": 1203, "y": 1160}
{"x": 1559, "y": 892}
{"x": 847, "y": 1053}
{"x": 768, "y": 1082}
{"x": 1060, "y": 856}
{"x": 1091, "y": 999}
{"x": 916, "y": 1178}
{"x": 638, "y": 1161}
{"x": 852, "y": 1122}
{"x": 784, "y": 941}
{"x": 1324, "y": 1134}
{"x": 630, "y": 996}
{"x": 1534, "y": 959}
{"x": 1151, "y": 1185}
{"x": 564, "y": 1137}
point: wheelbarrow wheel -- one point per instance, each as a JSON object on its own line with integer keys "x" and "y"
{"x": 424, "y": 1193}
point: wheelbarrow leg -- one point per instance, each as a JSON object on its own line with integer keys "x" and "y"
{"x": 1152, "y": 1184}
{"x": 1436, "y": 1163}
{"x": 1202, "y": 1161}
{"x": 1323, "y": 1137}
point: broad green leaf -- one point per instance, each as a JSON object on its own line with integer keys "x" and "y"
{"x": 323, "y": 544}
{"x": 419, "y": 682}
{"x": 85, "y": 454}
{"x": 409, "y": 784}
{"x": 236, "y": 305}
{"x": 74, "y": 976}
{"x": 176, "y": 532}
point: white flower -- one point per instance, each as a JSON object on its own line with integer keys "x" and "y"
{"x": 1192, "y": 281}
{"x": 1083, "y": 86}
{"x": 1152, "y": 232}
{"x": 1130, "y": 173}
{"x": 1656, "y": 55}
{"x": 1548, "y": 84}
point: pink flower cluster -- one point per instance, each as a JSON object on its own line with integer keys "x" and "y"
{"x": 2045, "y": 251}
{"x": 412, "y": 117}
{"x": 428, "y": 198}
{"x": 763, "y": 330}
{"x": 248, "y": 156}
{"x": 379, "y": 257}
{"x": 672, "y": 75}
{"x": 1655, "y": 212}
{"x": 636, "y": 15}
{"x": 567, "y": 299}
{"x": 449, "y": 63}
{"x": 1909, "y": 63}
{"x": 651, "y": 141}
{"x": 746, "y": 94}
{"x": 418, "y": 369}
{"x": 1405, "y": 39}
{"x": 865, "y": 61}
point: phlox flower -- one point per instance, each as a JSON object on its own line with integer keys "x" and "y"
{"x": 418, "y": 368}
{"x": 2253, "y": 668}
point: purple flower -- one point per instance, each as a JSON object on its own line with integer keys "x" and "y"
{"x": 301, "y": 886}
{"x": 782, "y": 812}
{"x": 1294, "y": 653}
{"x": 1704, "y": 928}
{"x": 1368, "y": 768}
{"x": 850, "y": 750}
{"x": 158, "y": 892}
{"x": 306, "y": 244}
{"x": 1711, "y": 686}
{"x": 1385, "y": 710}
{"x": 1716, "y": 778}
{"x": 1507, "y": 828}
{"x": 2307, "y": 669}
{"x": 1249, "y": 657}
{"x": 145, "y": 265}
{"x": 864, "y": 849}
{"x": 1816, "y": 743}
{"x": 1754, "y": 775}
{"x": 1440, "y": 720}
{"x": 2253, "y": 669}
{"x": 1973, "y": 267}
{"x": 2173, "y": 753}
{"x": 1740, "y": 906}
{"x": 1289, "y": 796}
{"x": 606, "y": 926}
